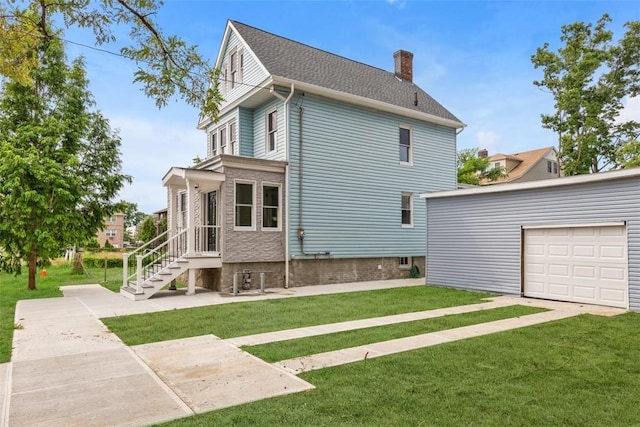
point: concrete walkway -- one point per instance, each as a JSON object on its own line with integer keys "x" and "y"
{"x": 68, "y": 369}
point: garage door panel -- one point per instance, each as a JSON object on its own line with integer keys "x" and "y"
{"x": 580, "y": 264}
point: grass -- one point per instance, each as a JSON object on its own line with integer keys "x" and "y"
{"x": 14, "y": 288}
{"x": 283, "y": 350}
{"x": 238, "y": 319}
{"x": 574, "y": 372}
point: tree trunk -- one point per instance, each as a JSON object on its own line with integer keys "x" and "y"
{"x": 78, "y": 267}
{"x": 32, "y": 270}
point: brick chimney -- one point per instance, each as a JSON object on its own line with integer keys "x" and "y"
{"x": 403, "y": 62}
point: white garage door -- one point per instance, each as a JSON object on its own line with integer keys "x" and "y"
{"x": 577, "y": 264}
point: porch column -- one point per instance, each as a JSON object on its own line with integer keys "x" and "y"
{"x": 191, "y": 285}
{"x": 191, "y": 218}
{"x": 172, "y": 221}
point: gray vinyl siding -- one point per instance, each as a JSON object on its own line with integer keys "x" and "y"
{"x": 474, "y": 240}
{"x": 245, "y": 130}
{"x": 353, "y": 179}
{"x": 252, "y": 74}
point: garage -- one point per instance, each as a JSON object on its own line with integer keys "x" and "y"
{"x": 586, "y": 264}
{"x": 573, "y": 239}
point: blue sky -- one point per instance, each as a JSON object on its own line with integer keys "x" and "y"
{"x": 472, "y": 56}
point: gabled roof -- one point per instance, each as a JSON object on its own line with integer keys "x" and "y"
{"x": 527, "y": 159}
{"x": 295, "y": 61}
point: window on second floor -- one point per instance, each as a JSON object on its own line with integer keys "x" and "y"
{"x": 271, "y": 207}
{"x": 223, "y": 140}
{"x": 111, "y": 233}
{"x": 214, "y": 143}
{"x": 405, "y": 145}
{"x": 232, "y": 138}
{"x": 406, "y": 210}
{"x": 244, "y": 201}
{"x": 111, "y": 219}
{"x": 496, "y": 165}
{"x": 272, "y": 131}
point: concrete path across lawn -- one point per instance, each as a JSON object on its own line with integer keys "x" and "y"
{"x": 68, "y": 369}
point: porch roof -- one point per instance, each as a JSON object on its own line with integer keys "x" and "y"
{"x": 180, "y": 176}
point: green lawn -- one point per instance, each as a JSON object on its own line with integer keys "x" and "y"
{"x": 581, "y": 371}
{"x": 14, "y": 288}
{"x": 245, "y": 318}
{"x": 283, "y": 350}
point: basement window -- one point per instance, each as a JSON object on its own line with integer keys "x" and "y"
{"x": 404, "y": 262}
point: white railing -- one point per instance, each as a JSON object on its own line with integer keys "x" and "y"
{"x": 152, "y": 257}
{"x": 207, "y": 238}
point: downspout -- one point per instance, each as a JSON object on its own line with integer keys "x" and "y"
{"x": 286, "y": 177}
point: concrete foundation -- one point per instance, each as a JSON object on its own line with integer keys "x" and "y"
{"x": 321, "y": 271}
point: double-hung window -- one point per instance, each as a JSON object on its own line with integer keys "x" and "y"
{"x": 272, "y": 130}
{"x": 405, "y": 145}
{"x": 271, "y": 207}
{"x": 182, "y": 209}
{"x": 223, "y": 140}
{"x": 241, "y": 67}
{"x": 214, "y": 143}
{"x": 232, "y": 138}
{"x": 245, "y": 201}
{"x": 406, "y": 210}
{"x": 234, "y": 69}
{"x": 111, "y": 233}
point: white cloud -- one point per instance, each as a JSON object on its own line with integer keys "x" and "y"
{"x": 631, "y": 110}
{"x": 150, "y": 147}
{"x": 488, "y": 140}
{"x": 400, "y": 4}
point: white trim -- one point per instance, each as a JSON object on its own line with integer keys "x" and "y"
{"x": 543, "y": 183}
{"x": 232, "y": 144}
{"x": 407, "y": 193}
{"x": 579, "y": 225}
{"x": 405, "y": 266}
{"x": 245, "y": 46}
{"x": 410, "y": 129}
{"x": 254, "y": 206}
{"x": 262, "y": 206}
{"x": 267, "y": 134}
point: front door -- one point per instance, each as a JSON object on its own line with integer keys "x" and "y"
{"x": 211, "y": 244}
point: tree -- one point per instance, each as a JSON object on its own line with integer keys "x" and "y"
{"x": 589, "y": 78}
{"x": 473, "y": 169}
{"x": 167, "y": 66}
{"x": 132, "y": 216}
{"x": 60, "y": 165}
{"x": 147, "y": 229}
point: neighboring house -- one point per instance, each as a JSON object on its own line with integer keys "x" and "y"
{"x": 572, "y": 239}
{"x": 160, "y": 220}
{"x": 312, "y": 170}
{"x": 527, "y": 166}
{"x": 113, "y": 231}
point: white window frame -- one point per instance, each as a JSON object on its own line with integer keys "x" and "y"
{"x": 213, "y": 143}
{"x": 223, "y": 141}
{"x": 253, "y": 206}
{"x": 406, "y": 266}
{"x": 410, "y": 153}
{"x": 268, "y": 132}
{"x": 233, "y": 136}
{"x": 181, "y": 203}
{"x": 240, "y": 66}
{"x": 279, "y": 207}
{"x": 410, "y": 195}
{"x": 233, "y": 68}
{"x": 111, "y": 233}
{"x": 111, "y": 219}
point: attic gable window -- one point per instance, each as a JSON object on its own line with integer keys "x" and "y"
{"x": 271, "y": 131}
{"x": 234, "y": 69}
{"x": 405, "y": 145}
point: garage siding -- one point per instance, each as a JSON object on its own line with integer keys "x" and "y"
{"x": 474, "y": 240}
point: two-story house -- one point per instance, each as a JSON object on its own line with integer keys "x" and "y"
{"x": 532, "y": 165}
{"x": 312, "y": 171}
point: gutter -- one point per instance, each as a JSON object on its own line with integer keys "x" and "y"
{"x": 286, "y": 177}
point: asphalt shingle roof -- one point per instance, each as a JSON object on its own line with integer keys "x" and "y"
{"x": 286, "y": 58}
